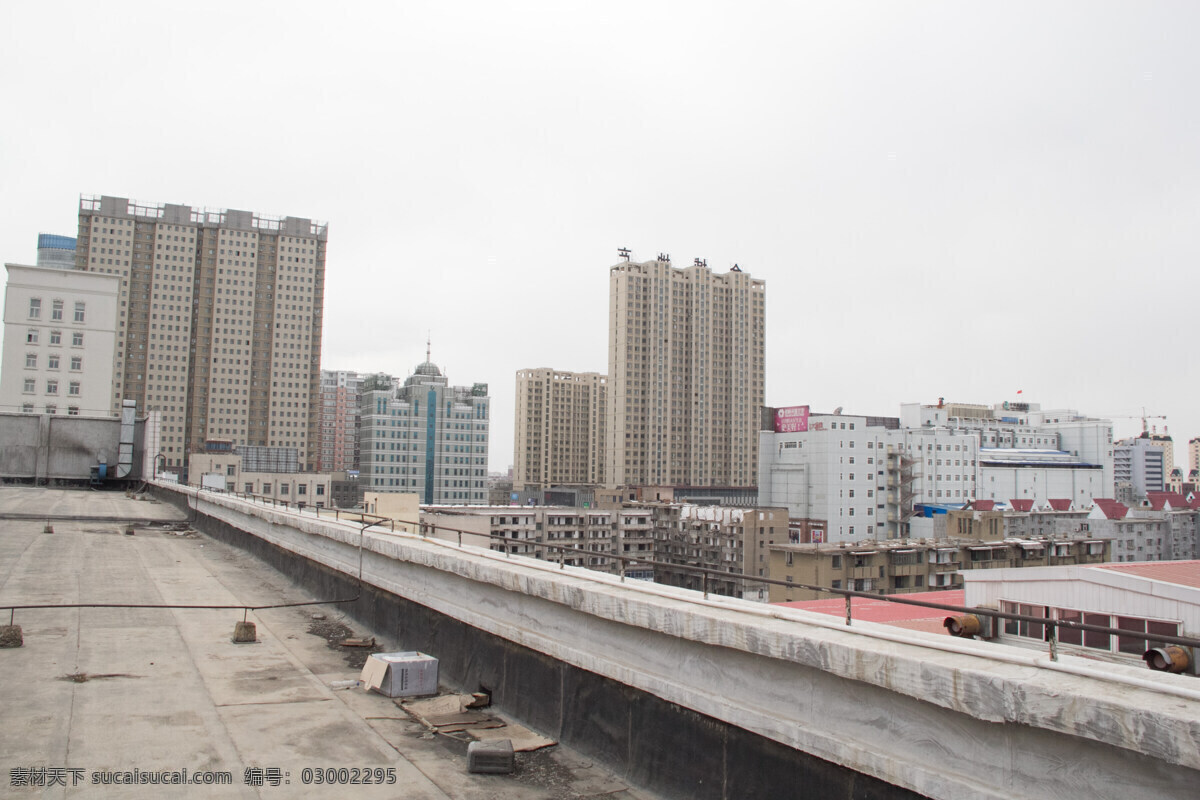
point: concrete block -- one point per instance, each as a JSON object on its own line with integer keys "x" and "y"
{"x": 495, "y": 757}
{"x": 244, "y": 633}
{"x": 10, "y": 636}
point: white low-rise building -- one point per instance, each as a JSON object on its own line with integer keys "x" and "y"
{"x": 60, "y": 334}
{"x": 849, "y": 477}
{"x": 1039, "y": 475}
{"x": 223, "y": 470}
{"x": 1162, "y": 597}
{"x": 864, "y": 476}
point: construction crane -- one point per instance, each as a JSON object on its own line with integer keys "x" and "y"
{"x": 1144, "y": 418}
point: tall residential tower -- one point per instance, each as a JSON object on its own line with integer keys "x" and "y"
{"x": 686, "y": 364}
{"x": 219, "y": 320}
{"x": 559, "y": 438}
{"x": 340, "y": 393}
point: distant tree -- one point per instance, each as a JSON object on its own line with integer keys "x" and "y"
{"x": 377, "y": 381}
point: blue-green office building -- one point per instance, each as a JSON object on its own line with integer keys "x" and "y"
{"x": 427, "y": 437}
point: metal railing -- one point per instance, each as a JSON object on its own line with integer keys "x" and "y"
{"x": 1052, "y": 625}
{"x": 318, "y": 511}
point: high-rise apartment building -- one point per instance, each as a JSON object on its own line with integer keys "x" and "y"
{"x": 560, "y": 429}
{"x": 426, "y": 437}
{"x": 219, "y": 320}
{"x": 340, "y": 393}
{"x": 1193, "y": 459}
{"x": 686, "y": 364}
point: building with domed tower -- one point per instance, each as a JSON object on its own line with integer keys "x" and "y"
{"x": 425, "y": 437}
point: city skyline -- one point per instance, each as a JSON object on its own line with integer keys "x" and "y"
{"x": 945, "y": 201}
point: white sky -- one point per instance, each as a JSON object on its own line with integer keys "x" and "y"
{"x": 945, "y": 199}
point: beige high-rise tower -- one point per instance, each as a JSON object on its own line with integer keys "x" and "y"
{"x": 686, "y": 363}
{"x": 219, "y": 320}
{"x": 559, "y": 438}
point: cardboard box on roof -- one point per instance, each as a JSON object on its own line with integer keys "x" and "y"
{"x": 407, "y": 674}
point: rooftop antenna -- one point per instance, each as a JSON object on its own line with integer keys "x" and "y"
{"x": 699, "y": 262}
{"x": 623, "y": 252}
{"x": 665, "y": 257}
{"x": 428, "y": 346}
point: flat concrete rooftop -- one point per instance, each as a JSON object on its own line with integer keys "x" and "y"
{"x": 163, "y": 690}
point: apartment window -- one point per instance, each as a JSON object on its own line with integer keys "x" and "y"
{"x": 76, "y": 363}
{"x": 302, "y": 489}
{"x": 51, "y": 409}
{"x": 73, "y": 388}
{"x": 31, "y": 336}
{"x": 52, "y": 361}
{"x": 79, "y": 311}
{"x": 35, "y": 308}
{"x": 56, "y": 310}
{"x": 77, "y": 339}
{"x": 1033, "y": 630}
{"x": 266, "y": 488}
{"x": 320, "y": 489}
{"x": 231, "y": 470}
{"x": 30, "y": 361}
{"x": 73, "y": 411}
{"x": 283, "y": 488}
{"x": 55, "y": 337}
{"x": 51, "y": 387}
{"x": 27, "y": 408}
{"x": 30, "y": 385}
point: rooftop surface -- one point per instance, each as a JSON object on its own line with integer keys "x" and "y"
{"x": 1183, "y": 573}
{"x": 101, "y": 690}
{"x": 898, "y": 615}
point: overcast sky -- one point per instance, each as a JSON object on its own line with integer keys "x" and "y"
{"x": 945, "y": 199}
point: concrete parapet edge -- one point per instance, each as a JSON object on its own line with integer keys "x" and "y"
{"x": 660, "y": 640}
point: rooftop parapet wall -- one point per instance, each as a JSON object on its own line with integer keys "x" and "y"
{"x": 945, "y": 718}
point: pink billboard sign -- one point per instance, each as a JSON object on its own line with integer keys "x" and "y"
{"x": 791, "y": 419}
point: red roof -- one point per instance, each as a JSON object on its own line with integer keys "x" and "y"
{"x": 1159, "y": 499}
{"x": 1111, "y": 508}
{"x": 983, "y": 505}
{"x": 1060, "y": 504}
{"x": 1021, "y": 505}
{"x": 1184, "y": 573}
{"x": 900, "y": 615}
